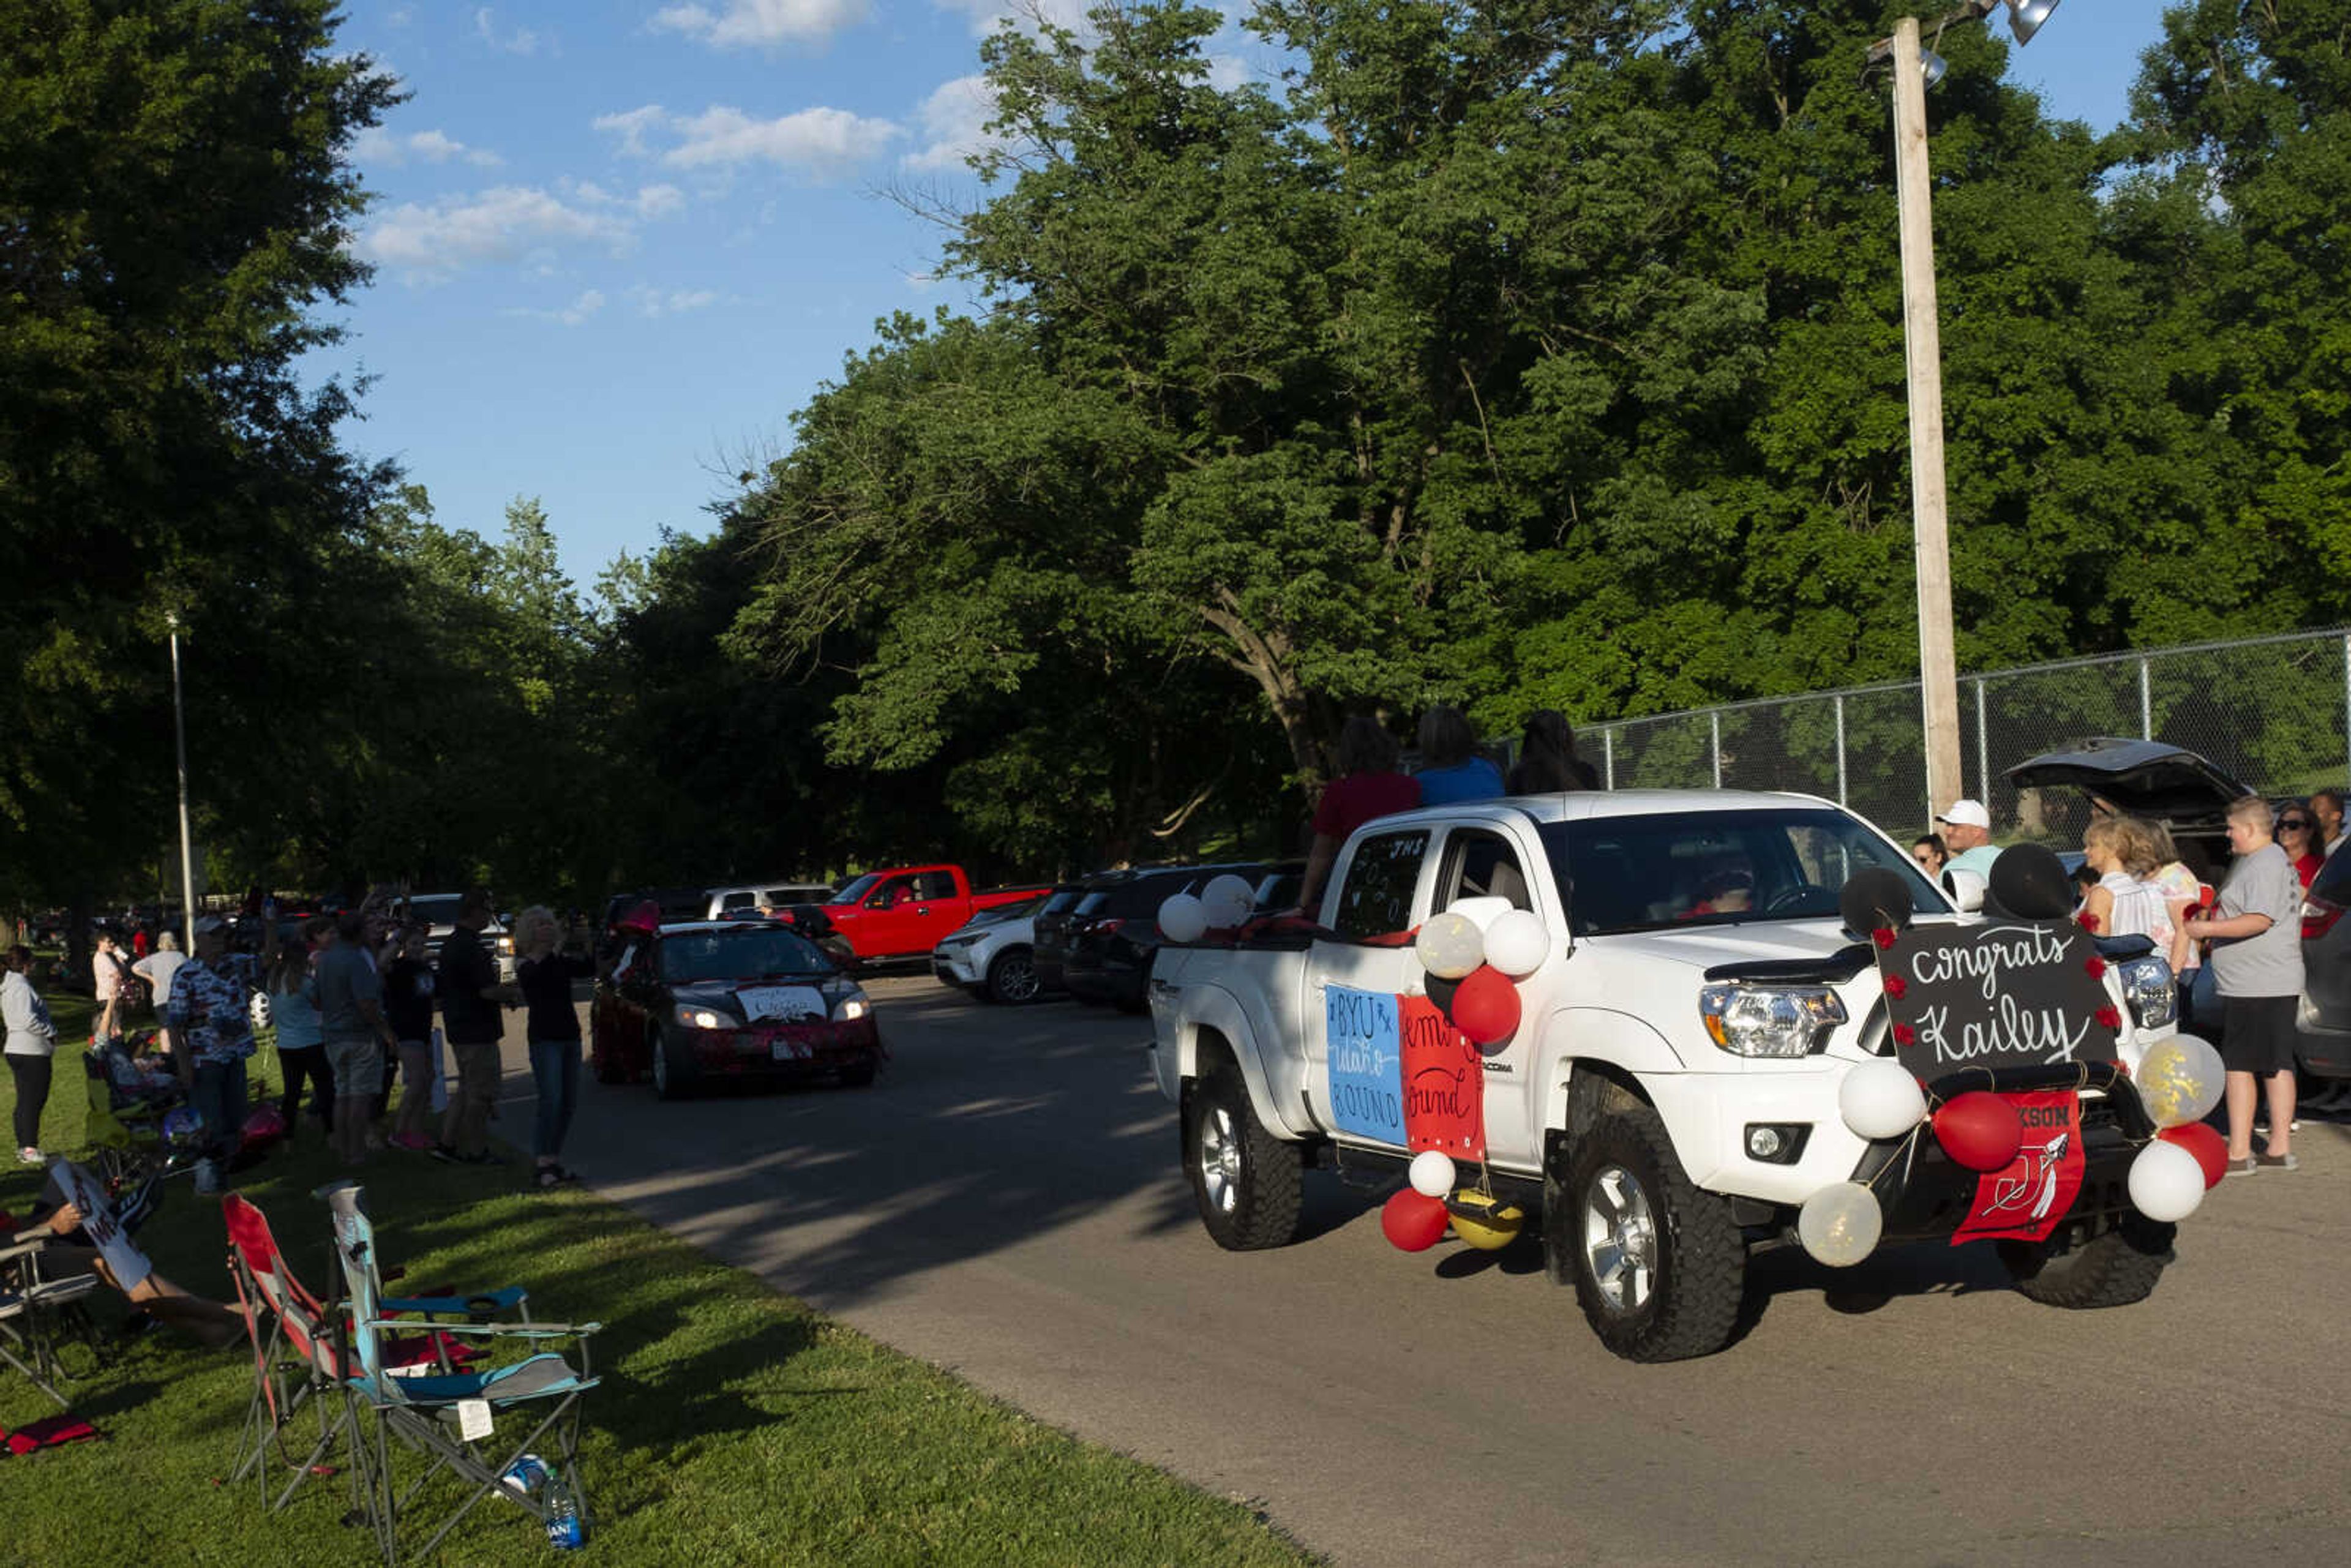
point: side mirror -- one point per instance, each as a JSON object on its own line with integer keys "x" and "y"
{"x": 1966, "y": 888}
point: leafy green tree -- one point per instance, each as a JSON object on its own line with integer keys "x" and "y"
{"x": 173, "y": 209}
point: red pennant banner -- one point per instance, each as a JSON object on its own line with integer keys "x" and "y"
{"x": 1444, "y": 1083}
{"x": 2024, "y": 1201}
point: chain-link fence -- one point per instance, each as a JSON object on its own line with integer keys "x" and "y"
{"x": 2275, "y": 712}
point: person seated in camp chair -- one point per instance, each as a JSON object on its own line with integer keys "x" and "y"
{"x": 86, "y": 1237}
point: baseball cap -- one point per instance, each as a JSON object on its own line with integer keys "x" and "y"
{"x": 1966, "y": 813}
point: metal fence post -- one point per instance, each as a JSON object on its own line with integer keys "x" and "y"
{"x": 1715, "y": 720}
{"x": 1840, "y": 743}
{"x": 1608, "y": 757}
{"x": 1983, "y": 749}
{"x": 2146, "y": 703}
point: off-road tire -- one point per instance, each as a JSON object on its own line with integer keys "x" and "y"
{"x": 1249, "y": 1184}
{"x": 2113, "y": 1268}
{"x": 1698, "y": 1257}
{"x": 1012, "y": 978}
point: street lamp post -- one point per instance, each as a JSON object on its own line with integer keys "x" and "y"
{"x": 187, "y": 843}
{"x": 1914, "y": 71}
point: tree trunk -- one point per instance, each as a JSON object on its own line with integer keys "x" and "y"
{"x": 1264, "y": 657}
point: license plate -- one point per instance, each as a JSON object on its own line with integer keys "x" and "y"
{"x": 790, "y": 1050}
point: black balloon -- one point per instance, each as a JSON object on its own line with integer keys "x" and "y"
{"x": 2029, "y": 881}
{"x": 1874, "y": 899}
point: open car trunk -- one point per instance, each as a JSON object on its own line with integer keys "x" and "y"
{"x": 2150, "y": 778}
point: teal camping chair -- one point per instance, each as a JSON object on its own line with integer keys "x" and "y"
{"x": 451, "y": 1421}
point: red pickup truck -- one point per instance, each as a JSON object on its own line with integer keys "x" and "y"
{"x": 902, "y": 911}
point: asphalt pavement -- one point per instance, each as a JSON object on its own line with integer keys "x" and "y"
{"x": 1007, "y": 1203}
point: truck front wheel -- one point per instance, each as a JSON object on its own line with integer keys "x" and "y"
{"x": 1249, "y": 1183}
{"x": 2112, "y": 1268}
{"x": 1658, "y": 1266}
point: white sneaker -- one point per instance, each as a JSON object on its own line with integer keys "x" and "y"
{"x": 30, "y": 1156}
{"x": 207, "y": 1177}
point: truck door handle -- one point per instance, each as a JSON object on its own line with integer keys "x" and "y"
{"x": 922, "y": 909}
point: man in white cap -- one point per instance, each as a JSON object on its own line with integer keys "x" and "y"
{"x": 1966, "y": 833}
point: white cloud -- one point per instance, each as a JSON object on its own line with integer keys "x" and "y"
{"x": 986, "y": 14}
{"x": 816, "y": 142}
{"x": 659, "y": 302}
{"x": 509, "y": 223}
{"x": 589, "y": 302}
{"x": 632, "y": 126}
{"x": 521, "y": 41}
{"x": 378, "y": 146}
{"x": 950, "y": 124}
{"x": 762, "y": 23}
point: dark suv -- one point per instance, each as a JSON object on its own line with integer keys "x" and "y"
{"x": 1114, "y": 932}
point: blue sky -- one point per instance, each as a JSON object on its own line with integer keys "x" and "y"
{"x": 618, "y": 242}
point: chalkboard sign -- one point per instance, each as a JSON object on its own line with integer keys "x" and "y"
{"x": 2010, "y": 994}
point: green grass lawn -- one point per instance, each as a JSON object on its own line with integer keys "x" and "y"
{"x": 734, "y": 1426}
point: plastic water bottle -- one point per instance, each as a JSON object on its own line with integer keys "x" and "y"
{"x": 525, "y": 1476}
{"x": 565, "y": 1530}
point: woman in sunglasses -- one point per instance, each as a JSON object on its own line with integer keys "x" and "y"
{"x": 2297, "y": 835}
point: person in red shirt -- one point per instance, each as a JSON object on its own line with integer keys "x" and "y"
{"x": 2297, "y": 835}
{"x": 1368, "y": 786}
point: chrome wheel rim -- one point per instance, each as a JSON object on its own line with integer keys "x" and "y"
{"x": 1220, "y": 1160}
{"x": 1015, "y": 979}
{"x": 1620, "y": 1238}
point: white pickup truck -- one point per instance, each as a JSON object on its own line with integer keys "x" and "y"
{"x": 1670, "y": 1095}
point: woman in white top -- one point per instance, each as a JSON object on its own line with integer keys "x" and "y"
{"x": 32, "y": 1040}
{"x": 2126, "y": 902}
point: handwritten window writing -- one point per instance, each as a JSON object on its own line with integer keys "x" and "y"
{"x": 1378, "y": 898}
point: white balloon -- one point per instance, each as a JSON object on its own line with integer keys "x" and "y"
{"x": 1228, "y": 887}
{"x": 1517, "y": 943}
{"x": 2179, "y": 1079}
{"x": 1480, "y": 907}
{"x": 1880, "y": 1100}
{"x": 1183, "y": 918}
{"x": 1450, "y": 946}
{"x": 1226, "y": 910}
{"x": 1839, "y": 1224}
{"x": 2167, "y": 1182}
{"x": 1432, "y": 1173}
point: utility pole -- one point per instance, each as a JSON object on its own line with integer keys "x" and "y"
{"x": 187, "y": 843}
{"x": 1938, "y": 678}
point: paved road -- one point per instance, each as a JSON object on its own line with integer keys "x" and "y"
{"x": 1008, "y": 1204}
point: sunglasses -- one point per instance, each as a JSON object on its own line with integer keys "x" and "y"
{"x": 2301, "y": 823}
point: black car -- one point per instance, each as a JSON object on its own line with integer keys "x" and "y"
{"x": 1051, "y": 938}
{"x": 1114, "y": 933}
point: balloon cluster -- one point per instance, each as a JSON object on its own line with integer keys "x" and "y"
{"x": 2179, "y": 1081}
{"x": 1483, "y": 961}
{"x": 1414, "y": 1219}
{"x": 1225, "y": 905}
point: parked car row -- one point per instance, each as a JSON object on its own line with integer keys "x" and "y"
{"x": 1093, "y": 939}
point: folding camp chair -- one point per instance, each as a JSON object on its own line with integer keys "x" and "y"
{"x": 450, "y": 1419}
{"x": 34, "y": 1309}
{"x": 125, "y": 1131}
{"x": 304, "y": 1348}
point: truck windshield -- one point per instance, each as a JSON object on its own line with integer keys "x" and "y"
{"x": 1716, "y": 868}
{"x": 857, "y": 889}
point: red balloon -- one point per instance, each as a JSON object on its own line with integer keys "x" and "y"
{"x": 2211, "y": 1149}
{"x": 1414, "y": 1220}
{"x": 263, "y": 1127}
{"x": 1486, "y": 1006}
{"x": 1978, "y": 1130}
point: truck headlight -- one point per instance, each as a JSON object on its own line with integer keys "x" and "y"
{"x": 2149, "y": 989}
{"x": 1769, "y": 1021}
{"x": 705, "y": 1018}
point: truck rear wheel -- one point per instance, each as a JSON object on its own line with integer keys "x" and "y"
{"x": 2113, "y": 1268}
{"x": 1249, "y": 1184}
{"x": 1659, "y": 1268}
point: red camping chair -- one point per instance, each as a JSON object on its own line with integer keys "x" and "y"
{"x": 306, "y": 1349}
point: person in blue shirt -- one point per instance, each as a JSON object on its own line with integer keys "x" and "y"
{"x": 1450, "y": 767}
